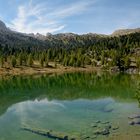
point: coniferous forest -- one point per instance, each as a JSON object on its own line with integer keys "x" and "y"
{"x": 75, "y": 51}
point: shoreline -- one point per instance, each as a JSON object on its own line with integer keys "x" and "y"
{"x": 24, "y": 70}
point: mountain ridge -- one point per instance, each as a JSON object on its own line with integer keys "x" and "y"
{"x": 125, "y": 31}
{"x": 118, "y": 32}
{"x": 38, "y": 41}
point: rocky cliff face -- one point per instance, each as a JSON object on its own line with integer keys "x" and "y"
{"x": 2, "y": 26}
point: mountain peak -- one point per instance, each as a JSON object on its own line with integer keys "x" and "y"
{"x": 2, "y": 26}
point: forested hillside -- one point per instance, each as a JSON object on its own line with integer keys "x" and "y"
{"x": 69, "y": 49}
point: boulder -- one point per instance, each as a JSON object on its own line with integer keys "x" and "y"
{"x": 135, "y": 121}
{"x": 134, "y": 116}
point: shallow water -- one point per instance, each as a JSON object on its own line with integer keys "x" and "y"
{"x": 68, "y": 103}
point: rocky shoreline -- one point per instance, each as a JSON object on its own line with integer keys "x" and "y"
{"x": 97, "y": 129}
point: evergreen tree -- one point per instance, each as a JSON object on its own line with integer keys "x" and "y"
{"x": 24, "y": 58}
{"x": 20, "y": 59}
{"x": 1, "y": 61}
{"x": 78, "y": 62}
{"x": 138, "y": 63}
{"x": 71, "y": 61}
{"x": 13, "y": 61}
{"x": 65, "y": 60}
{"x": 55, "y": 63}
{"x": 127, "y": 62}
{"x": 42, "y": 62}
{"x": 103, "y": 58}
{"x": 46, "y": 62}
{"x": 30, "y": 60}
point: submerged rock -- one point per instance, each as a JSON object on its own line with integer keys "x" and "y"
{"x": 106, "y": 122}
{"x": 102, "y": 132}
{"x": 131, "y": 123}
{"x": 93, "y": 137}
{"x": 49, "y": 134}
{"x": 135, "y": 121}
{"x": 86, "y": 137}
{"x": 134, "y": 116}
{"x": 108, "y": 127}
{"x": 93, "y": 125}
{"x": 115, "y": 128}
{"x": 98, "y": 121}
{"x": 98, "y": 132}
{"x": 105, "y": 132}
{"x": 108, "y": 110}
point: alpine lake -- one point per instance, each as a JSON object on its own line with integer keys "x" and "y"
{"x": 76, "y": 106}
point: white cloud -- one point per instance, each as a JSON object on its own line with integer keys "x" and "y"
{"x": 36, "y": 18}
{"x": 72, "y": 9}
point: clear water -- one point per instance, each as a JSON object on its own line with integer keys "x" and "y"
{"x": 68, "y": 103}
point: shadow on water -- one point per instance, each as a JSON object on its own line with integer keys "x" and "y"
{"x": 69, "y": 86}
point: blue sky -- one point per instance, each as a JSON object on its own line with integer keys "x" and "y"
{"x": 77, "y": 16}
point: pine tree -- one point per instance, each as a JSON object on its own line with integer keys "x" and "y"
{"x": 20, "y": 59}
{"x": 55, "y": 63}
{"x": 78, "y": 62}
{"x": 1, "y": 61}
{"x": 126, "y": 62}
{"x": 102, "y": 58}
{"x": 48, "y": 54}
{"x": 30, "y": 60}
{"x": 65, "y": 60}
{"x": 13, "y": 61}
{"x": 46, "y": 62}
{"x": 71, "y": 61}
{"x": 42, "y": 61}
{"x": 24, "y": 58}
{"x": 83, "y": 61}
{"x": 138, "y": 63}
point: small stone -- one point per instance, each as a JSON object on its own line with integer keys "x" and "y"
{"x": 66, "y": 138}
{"x": 105, "y": 122}
{"x": 137, "y": 134}
{"x": 135, "y": 121}
{"x": 97, "y": 132}
{"x": 105, "y": 132}
{"x": 108, "y": 127}
{"x": 93, "y": 125}
{"x": 87, "y": 137}
{"x": 131, "y": 123}
{"x": 94, "y": 137}
{"x": 134, "y": 116}
{"x": 115, "y": 128}
{"x": 98, "y": 121}
{"x": 108, "y": 110}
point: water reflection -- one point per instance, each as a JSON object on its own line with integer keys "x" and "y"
{"x": 73, "y": 117}
{"x": 66, "y": 87}
{"x": 67, "y": 103}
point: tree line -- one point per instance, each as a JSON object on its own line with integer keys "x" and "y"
{"x": 100, "y": 51}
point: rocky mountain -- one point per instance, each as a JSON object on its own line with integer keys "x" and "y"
{"x": 3, "y": 26}
{"x": 16, "y": 39}
{"x": 38, "y": 41}
{"x": 125, "y": 31}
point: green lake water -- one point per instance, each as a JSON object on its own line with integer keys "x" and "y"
{"x": 68, "y": 103}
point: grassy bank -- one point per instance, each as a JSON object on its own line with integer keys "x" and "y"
{"x": 25, "y": 70}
